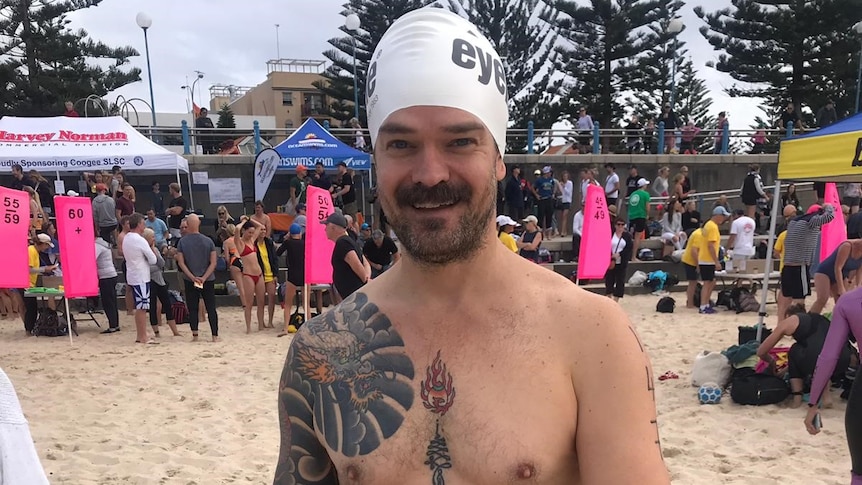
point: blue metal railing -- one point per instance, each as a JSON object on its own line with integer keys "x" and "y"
{"x": 529, "y": 140}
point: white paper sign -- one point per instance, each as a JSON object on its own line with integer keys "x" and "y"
{"x": 59, "y": 187}
{"x": 200, "y": 178}
{"x": 225, "y": 191}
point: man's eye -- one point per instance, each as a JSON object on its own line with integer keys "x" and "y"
{"x": 462, "y": 142}
{"x": 398, "y": 144}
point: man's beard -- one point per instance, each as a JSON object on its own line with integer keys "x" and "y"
{"x": 427, "y": 240}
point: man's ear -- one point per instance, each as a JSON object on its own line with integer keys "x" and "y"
{"x": 500, "y": 167}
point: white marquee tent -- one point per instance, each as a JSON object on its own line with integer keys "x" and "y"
{"x": 63, "y": 144}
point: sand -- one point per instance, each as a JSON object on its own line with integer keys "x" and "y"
{"x": 106, "y": 411}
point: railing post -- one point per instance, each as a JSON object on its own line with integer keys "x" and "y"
{"x": 530, "y": 138}
{"x": 660, "y": 148}
{"x": 789, "y": 133}
{"x": 326, "y": 125}
{"x": 700, "y": 203}
{"x": 725, "y": 138}
{"x": 596, "y": 147}
{"x": 256, "y": 137}
{"x": 186, "y": 146}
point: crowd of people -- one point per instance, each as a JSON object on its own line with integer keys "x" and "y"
{"x": 136, "y": 249}
{"x": 681, "y": 135}
{"x": 392, "y": 328}
{"x": 820, "y": 354}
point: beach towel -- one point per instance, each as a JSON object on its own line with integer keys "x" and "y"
{"x": 19, "y": 463}
{"x": 740, "y": 353}
{"x": 781, "y": 361}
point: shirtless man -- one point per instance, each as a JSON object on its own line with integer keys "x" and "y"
{"x": 446, "y": 369}
{"x": 262, "y": 218}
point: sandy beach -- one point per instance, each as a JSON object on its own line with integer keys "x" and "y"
{"x": 106, "y": 411}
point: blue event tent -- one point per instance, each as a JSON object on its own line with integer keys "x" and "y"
{"x": 311, "y": 143}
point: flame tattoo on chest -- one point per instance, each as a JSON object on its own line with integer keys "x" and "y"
{"x": 438, "y": 395}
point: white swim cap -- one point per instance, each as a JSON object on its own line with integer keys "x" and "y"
{"x": 433, "y": 57}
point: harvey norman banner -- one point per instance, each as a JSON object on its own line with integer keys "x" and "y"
{"x": 80, "y": 144}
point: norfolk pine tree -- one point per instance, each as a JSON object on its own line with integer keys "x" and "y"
{"x": 225, "y": 117}
{"x": 526, "y": 44}
{"x": 651, "y": 89}
{"x": 375, "y": 18}
{"x": 601, "y": 46}
{"x": 44, "y": 63}
{"x": 787, "y": 50}
{"x": 226, "y": 121}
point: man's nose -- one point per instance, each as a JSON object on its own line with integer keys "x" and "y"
{"x": 431, "y": 167}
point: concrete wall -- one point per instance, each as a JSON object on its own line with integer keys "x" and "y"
{"x": 708, "y": 173}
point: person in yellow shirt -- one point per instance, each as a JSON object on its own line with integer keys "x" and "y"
{"x": 268, "y": 259}
{"x": 689, "y": 262}
{"x": 778, "y": 248}
{"x": 505, "y": 226}
{"x": 41, "y": 244}
{"x": 707, "y": 256}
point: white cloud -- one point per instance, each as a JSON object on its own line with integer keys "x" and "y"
{"x": 231, "y": 41}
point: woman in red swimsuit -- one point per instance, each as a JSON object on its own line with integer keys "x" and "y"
{"x": 245, "y": 239}
{"x": 234, "y": 263}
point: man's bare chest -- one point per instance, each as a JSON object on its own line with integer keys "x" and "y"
{"x": 395, "y": 409}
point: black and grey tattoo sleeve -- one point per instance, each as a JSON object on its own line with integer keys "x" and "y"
{"x": 347, "y": 378}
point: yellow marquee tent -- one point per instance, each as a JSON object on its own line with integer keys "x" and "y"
{"x": 831, "y": 154}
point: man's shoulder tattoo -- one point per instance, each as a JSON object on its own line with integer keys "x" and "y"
{"x": 349, "y": 370}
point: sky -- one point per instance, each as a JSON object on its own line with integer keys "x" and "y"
{"x": 230, "y": 44}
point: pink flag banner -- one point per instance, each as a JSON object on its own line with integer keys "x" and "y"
{"x": 75, "y": 234}
{"x": 595, "y": 253}
{"x": 15, "y": 216}
{"x": 834, "y": 233}
{"x": 318, "y": 248}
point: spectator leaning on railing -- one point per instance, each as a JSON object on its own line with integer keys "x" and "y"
{"x": 585, "y": 129}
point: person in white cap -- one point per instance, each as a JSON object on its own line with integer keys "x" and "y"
{"x": 41, "y": 244}
{"x": 505, "y": 226}
{"x": 464, "y": 363}
{"x": 638, "y": 210}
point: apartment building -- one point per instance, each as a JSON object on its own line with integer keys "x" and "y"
{"x": 288, "y": 94}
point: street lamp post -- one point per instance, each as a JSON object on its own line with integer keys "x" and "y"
{"x": 145, "y": 22}
{"x": 351, "y": 23}
{"x": 858, "y": 29}
{"x": 199, "y": 76}
{"x": 674, "y": 27}
{"x": 277, "y": 44}
{"x": 186, "y": 88}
